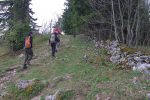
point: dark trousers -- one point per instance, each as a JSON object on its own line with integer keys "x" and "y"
{"x": 28, "y": 56}
{"x": 53, "y": 46}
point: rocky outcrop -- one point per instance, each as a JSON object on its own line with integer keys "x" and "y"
{"x": 135, "y": 60}
{"x": 23, "y": 84}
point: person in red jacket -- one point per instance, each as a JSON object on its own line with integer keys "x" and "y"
{"x": 57, "y": 32}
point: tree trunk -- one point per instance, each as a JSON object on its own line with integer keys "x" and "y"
{"x": 128, "y": 23}
{"x": 114, "y": 21}
{"x": 137, "y": 25}
{"x": 122, "y": 24}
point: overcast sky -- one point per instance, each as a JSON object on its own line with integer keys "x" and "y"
{"x": 45, "y": 10}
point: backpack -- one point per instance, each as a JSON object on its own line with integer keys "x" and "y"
{"x": 52, "y": 39}
{"x": 57, "y": 39}
{"x": 27, "y": 42}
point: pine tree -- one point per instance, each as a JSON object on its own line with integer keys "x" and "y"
{"x": 19, "y": 20}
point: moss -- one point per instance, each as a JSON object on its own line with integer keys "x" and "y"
{"x": 29, "y": 89}
{"x": 146, "y": 53}
{"x": 99, "y": 60}
{"x": 133, "y": 50}
{"x": 129, "y": 50}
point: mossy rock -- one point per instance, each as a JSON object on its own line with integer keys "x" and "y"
{"x": 129, "y": 50}
{"x": 28, "y": 93}
{"x": 146, "y": 53}
{"x": 133, "y": 50}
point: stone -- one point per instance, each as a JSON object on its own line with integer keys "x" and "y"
{"x": 56, "y": 96}
{"x": 125, "y": 53}
{"x": 147, "y": 60}
{"x": 135, "y": 80}
{"x": 36, "y": 98}
{"x": 58, "y": 79}
{"x": 50, "y": 97}
{"x": 113, "y": 58}
{"x": 96, "y": 44}
{"x": 143, "y": 67}
{"x": 108, "y": 98}
{"x": 3, "y": 94}
{"x": 148, "y": 95}
{"x": 85, "y": 58}
{"x": 23, "y": 84}
{"x": 143, "y": 57}
{"x": 138, "y": 59}
{"x": 97, "y": 97}
{"x": 131, "y": 63}
{"x": 138, "y": 53}
{"x": 68, "y": 77}
{"x": 122, "y": 60}
{"x": 21, "y": 56}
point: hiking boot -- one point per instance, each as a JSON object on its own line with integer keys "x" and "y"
{"x": 25, "y": 66}
{"x": 56, "y": 50}
{"x": 53, "y": 55}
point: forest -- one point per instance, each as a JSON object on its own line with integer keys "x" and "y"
{"x": 103, "y": 55}
{"x": 126, "y": 21}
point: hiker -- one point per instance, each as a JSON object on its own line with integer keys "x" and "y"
{"x": 28, "y": 50}
{"x": 52, "y": 42}
{"x": 57, "y": 32}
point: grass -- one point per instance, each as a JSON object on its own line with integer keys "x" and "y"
{"x": 3, "y": 50}
{"x": 29, "y": 92}
{"x": 97, "y": 76}
{"x": 8, "y": 61}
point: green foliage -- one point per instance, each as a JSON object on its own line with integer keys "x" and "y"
{"x": 20, "y": 21}
{"x": 20, "y": 26}
{"x": 11, "y": 37}
{"x": 14, "y": 40}
{"x": 72, "y": 17}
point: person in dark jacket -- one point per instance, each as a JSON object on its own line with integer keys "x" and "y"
{"x": 28, "y": 52}
{"x": 52, "y": 42}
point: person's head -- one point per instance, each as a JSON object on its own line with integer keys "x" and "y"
{"x": 55, "y": 26}
{"x": 30, "y": 33}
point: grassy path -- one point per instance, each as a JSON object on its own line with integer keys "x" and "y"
{"x": 94, "y": 78}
